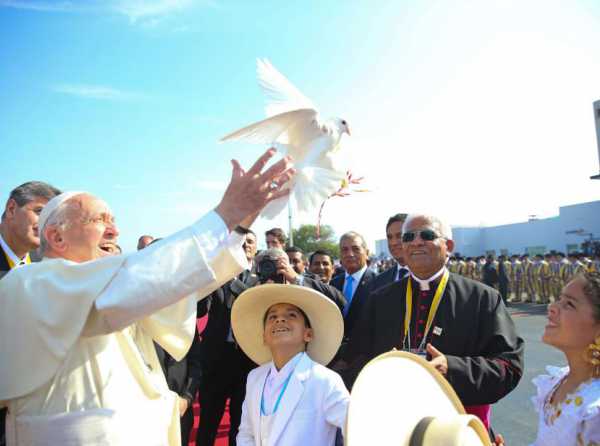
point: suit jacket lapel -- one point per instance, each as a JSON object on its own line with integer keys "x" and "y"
{"x": 4, "y": 266}
{"x": 291, "y": 398}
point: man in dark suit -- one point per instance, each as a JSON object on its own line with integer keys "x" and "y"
{"x": 224, "y": 366}
{"x": 393, "y": 232}
{"x": 19, "y": 234}
{"x": 183, "y": 378}
{"x": 461, "y": 326}
{"x": 19, "y": 224}
{"x": 355, "y": 283}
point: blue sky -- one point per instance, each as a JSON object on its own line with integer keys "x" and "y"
{"x": 478, "y": 111}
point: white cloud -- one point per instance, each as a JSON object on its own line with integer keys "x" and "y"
{"x": 100, "y": 92}
{"x": 43, "y": 6}
{"x": 144, "y": 12}
{"x": 143, "y": 9}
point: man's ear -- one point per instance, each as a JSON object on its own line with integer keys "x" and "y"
{"x": 450, "y": 245}
{"x": 11, "y": 206}
{"x": 55, "y": 239}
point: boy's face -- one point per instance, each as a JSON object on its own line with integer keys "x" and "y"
{"x": 285, "y": 326}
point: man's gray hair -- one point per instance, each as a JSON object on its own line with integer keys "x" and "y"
{"x": 31, "y": 190}
{"x": 58, "y": 217}
{"x": 442, "y": 228}
{"x": 353, "y": 234}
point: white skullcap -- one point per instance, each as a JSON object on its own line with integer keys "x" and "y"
{"x": 53, "y": 205}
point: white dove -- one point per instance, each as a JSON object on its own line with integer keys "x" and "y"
{"x": 293, "y": 125}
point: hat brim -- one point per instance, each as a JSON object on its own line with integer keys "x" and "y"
{"x": 325, "y": 318}
{"x": 406, "y": 388}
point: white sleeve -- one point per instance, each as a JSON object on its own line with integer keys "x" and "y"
{"x": 197, "y": 259}
{"x": 245, "y": 436}
{"x": 336, "y": 403}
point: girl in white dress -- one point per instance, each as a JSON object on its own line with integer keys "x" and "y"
{"x": 568, "y": 398}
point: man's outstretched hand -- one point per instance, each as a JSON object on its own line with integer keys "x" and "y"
{"x": 249, "y": 192}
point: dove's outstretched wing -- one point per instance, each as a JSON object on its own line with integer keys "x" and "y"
{"x": 274, "y": 129}
{"x": 282, "y": 94}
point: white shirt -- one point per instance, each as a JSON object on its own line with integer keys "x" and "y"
{"x": 398, "y": 268}
{"x": 276, "y": 380}
{"x": 9, "y": 252}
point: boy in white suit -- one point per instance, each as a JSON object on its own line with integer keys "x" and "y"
{"x": 292, "y": 399}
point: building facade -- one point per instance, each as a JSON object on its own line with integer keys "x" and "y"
{"x": 567, "y": 232}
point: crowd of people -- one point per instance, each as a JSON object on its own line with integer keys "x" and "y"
{"x": 100, "y": 347}
{"x": 519, "y": 278}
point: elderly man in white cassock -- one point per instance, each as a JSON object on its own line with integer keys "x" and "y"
{"x": 76, "y": 330}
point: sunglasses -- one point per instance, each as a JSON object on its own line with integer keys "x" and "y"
{"x": 427, "y": 235}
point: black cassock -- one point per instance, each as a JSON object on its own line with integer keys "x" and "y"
{"x": 472, "y": 328}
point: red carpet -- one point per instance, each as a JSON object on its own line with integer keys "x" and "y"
{"x": 222, "y": 434}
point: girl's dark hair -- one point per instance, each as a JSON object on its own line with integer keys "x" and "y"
{"x": 591, "y": 289}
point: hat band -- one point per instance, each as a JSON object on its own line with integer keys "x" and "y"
{"x": 418, "y": 434}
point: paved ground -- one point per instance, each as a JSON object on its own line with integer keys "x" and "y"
{"x": 514, "y": 416}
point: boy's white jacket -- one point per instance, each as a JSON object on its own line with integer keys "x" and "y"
{"x": 313, "y": 406}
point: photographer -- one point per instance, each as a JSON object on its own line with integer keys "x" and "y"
{"x": 273, "y": 266}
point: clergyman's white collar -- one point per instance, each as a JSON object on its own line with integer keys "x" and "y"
{"x": 424, "y": 283}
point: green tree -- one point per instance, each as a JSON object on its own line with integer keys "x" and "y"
{"x": 305, "y": 238}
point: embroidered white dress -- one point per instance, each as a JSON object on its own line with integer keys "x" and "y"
{"x": 576, "y": 420}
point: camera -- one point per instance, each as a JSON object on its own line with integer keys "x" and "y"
{"x": 266, "y": 269}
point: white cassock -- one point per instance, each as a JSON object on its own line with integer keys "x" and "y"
{"x": 78, "y": 366}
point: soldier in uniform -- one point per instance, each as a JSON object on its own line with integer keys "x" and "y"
{"x": 479, "y": 269}
{"x": 545, "y": 278}
{"x": 564, "y": 270}
{"x": 471, "y": 268}
{"x": 577, "y": 266}
{"x": 452, "y": 265}
{"x": 528, "y": 281}
{"x": 516, "y": 278}
{"x": 462, "y": 266}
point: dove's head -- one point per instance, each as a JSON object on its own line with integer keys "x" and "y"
{"x": 342, "y": 126}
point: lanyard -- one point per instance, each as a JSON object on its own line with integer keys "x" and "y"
{"x": 432, "y": 311}
{"x": 285, "y": 384}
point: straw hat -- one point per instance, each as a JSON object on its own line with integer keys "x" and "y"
{"x": 401, "y": 399}
{"x": 250, "y": 307}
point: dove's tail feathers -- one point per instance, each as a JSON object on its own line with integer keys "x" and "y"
{"x": 283, "y": 96}
{"x": 313, "y": 185}
{"x": 271, "y": 129}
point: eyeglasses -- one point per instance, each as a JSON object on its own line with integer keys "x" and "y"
{"x": 105, "y": 219}
{"x": 427, "y": 235}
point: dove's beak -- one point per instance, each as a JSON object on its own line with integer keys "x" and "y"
{"x": 348, "y": 131}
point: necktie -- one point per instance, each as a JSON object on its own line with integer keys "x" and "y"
{"x": 401, "y": 273}
{"x": 348, "y": 293}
